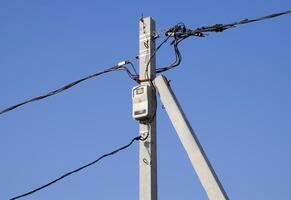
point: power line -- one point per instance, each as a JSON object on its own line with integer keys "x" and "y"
{"x": 119, "y": 66}
{"x": 80, "y": 168}
{"x": 179, "y": 32}
{"x": 222, "y": 27}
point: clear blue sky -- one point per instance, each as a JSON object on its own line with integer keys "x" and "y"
{"x": 234, "y": 88}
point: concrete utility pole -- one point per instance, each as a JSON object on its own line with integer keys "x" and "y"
{"x": 198, "y": 158}
{"x": 148, "y": 153}
{"x": 144, "y": 110}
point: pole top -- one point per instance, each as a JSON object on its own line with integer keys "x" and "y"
{"x": 146, "y": 18}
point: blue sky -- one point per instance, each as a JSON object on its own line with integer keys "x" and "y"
{"x": 234, "y": 88}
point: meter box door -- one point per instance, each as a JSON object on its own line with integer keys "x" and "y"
{"x": 142, "y": 102}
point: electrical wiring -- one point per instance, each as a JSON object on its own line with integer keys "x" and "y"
{"x": 183, "y": 32}
{"x": 147, "y": 77}
{"x": 80, "y": 168}
{"x": 132, "y": 66}
{"x": 155, "y": 52}
{"x": 120, "y": 66}
{"x": 222, "y": 27}
{"x": 179, "y": 33}
{"x": 175, "y": 32}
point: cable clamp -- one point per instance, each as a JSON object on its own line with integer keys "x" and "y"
{"x": 143, "y": 80}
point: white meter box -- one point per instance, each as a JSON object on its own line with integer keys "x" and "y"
{"x": 142, "y": 107}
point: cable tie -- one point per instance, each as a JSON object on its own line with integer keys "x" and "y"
{"x": 144, "y": 80}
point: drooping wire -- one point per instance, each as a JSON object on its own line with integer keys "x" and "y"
{"x": 175, "y": 34}
{"x": 80, "y": 168}
{"x": 54, "y": 92}
{"x": 179, "y": 33}
{"x": 135, "y": 72}
{"x": 155, "y": 52}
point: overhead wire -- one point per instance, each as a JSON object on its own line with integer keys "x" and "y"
{"x": 222, "y": 27}
{"x": 200, "y": 32}
{"x": 120, "y": 66}
{"x": 80, "y": 168}
{"x": 179, "y": 32}
{"x": 176, "y": 40}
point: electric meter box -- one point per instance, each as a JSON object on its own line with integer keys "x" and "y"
{"x": 142, "y": 107}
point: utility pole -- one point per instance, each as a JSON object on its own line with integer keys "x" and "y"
{"x": 147, "y": 148}
{"x": 144, "y": 110}
{"x": 188, "y": 138}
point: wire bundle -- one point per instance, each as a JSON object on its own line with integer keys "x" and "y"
{"x": 177, "y": 33}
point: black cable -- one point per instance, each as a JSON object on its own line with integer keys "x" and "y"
{"x": 132, "y": 66}
{"x": 179, "y": 33}
{"x": 155, "y": 52}
{"x": 80, "y": 168}
{"x": 175, "y": 33}
{"x": 199, "y": 32}
{"x": 178, "y": 59}
{"x": 222, "y": 27}
{"x": 114, "y": 68}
